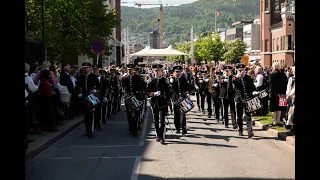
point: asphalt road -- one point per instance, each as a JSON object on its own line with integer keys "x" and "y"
{"x": 208, "y": 151}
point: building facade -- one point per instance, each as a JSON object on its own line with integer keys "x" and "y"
{"x": 282, "y": 35}
{"x": 234, "y": 33}
{"x": 154, "y": 40}
{"x": 251, "y": 36}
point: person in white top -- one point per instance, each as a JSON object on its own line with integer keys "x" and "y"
{"x": 290, "y": 93}
{"x": 260, "y": 84}
{"x": 31, "y": 104}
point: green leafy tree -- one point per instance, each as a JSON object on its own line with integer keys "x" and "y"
{"x": 234, "y": 50}
{"x": 70, "y": 26}
{"x": 183, "y": 47}
{"x": 211, "y": 48}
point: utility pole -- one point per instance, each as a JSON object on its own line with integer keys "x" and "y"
{"x": 125, "y": 43}
{"x": 191, "y": 48}
{"x": 128, "y": 45}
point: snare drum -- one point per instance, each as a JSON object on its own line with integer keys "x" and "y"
{"x": 91, "y": 101}
{"x": 252, "y": 104}
{"x": 185, "y": 104}
{"x": 132, "y": 103}
{"x": 262, "y": 94}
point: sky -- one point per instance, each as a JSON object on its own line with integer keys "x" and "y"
{"x": 164, "y": 2}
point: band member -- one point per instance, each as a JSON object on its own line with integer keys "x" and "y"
{"x": 227, "y": 97}
{"x": 244, "y": 88}
{"x": 118, "y": 105}
{"x": 114, "y": 93}
{"x": 206, "y": 94}
{"x": 133, "y": 86}
{"x": 97, "y": 111}
{"x": 197, "y": 84}
{"x": 158, "y": 89}
{"x": 105, "y": 87}
{"x": 180, "y": 88}
{"x": 215, "y": 96}
{"x": 87, "y": 83}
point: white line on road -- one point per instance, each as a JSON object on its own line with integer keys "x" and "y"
{"x": 119, "y": 157}
{"x": 136, "y": 169}
{"x": 62, "y": 158}
{"x": 144, "y": 129}
{"x": 111, "y": 146}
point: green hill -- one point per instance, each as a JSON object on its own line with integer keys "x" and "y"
{"x": 179, "y": 19}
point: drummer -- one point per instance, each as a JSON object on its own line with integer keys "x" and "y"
{"x": 133, "y": 85}
{"x": 158, "y": 89}
{"x": 179, "y": 89}
{"x": 244, "y": 88}
{"x": 87, "y": 83}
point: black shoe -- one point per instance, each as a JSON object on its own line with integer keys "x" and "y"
{"x": 209, "y": 115}
{"x": 158, "y": 139}
{"x": 240, "y": 133}
{"x": 250, "y": 134}
{"x": 162, "y": 141}
{"x": 235, "y": 126}
{"x": 204, "y": 112}
{"x": 184, "y": 131}
{"x": 177, "y": 131}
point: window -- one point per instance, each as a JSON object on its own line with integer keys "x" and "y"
{"x": 273, "y": 45}
{"x": 277, "y": 44}
{"x": 289, "y": 42}
{"x": 266, "y": 45}
{"x": 266, "y": 5}
{"x": 276, "y": 5}
{"x": 281, "y": 47}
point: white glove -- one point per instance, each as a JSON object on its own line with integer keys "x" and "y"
{"x": 197, "y": 87}
{"x": 226, "y": 80}
{"x": 105, "y": 99}
{"x": 80, "y": 95}
{"x": 201, "y": 81}
{"x": 171, "y": 80}
{"x": 94, "y": 91}
{"x": 255, "y": 93}
{"x": 206, "y": 80}
{"x": 156, "y": 93}
{"x": 238, "y": 75}
{"x": 215, "y": 84}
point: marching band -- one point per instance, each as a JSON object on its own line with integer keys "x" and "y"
{"x": 102, "y": 92}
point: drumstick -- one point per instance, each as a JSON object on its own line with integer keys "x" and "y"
{"x": 169, "y": 124}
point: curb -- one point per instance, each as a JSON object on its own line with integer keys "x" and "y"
{"x": 282, "y": 136}
{"x": 47, "y": 142}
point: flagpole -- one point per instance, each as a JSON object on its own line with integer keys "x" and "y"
{"x": 215, "y": 21}
{"x": 192, "y": 39}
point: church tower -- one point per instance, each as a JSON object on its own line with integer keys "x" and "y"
{"x": 270, "y": 13}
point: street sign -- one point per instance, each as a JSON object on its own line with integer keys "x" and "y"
{"x": 97, "y": 47}
{"x": 245, "y": 60}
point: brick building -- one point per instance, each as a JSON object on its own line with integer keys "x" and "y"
{"x": 277, "y": 32}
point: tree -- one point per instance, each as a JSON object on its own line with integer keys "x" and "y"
{"x": 183, "y": 47}
{"x": 70, "y": 26}
{"x": 209, "y": 48}
{"x": 234, "y": 50}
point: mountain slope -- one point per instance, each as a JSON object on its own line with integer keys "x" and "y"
{"x": 179, "y": 19}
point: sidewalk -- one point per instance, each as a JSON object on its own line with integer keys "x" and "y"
{"x": 46, "y": 139}
{"x": 272, "y": 132}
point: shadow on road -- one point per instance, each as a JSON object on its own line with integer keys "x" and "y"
{"x": 148, "y": 177}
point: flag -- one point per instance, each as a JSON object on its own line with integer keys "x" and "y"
{"x": 217, "y": 13}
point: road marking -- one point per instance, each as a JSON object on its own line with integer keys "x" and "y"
{"x": 144, "y": 128}
{"x": 63, "y": 158}
{"x": 111, "y": 146}
{"x": 136, "y": 169}
{"x": 119, "y": 157}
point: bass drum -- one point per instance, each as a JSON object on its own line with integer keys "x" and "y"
{"x": 185, "y": 104}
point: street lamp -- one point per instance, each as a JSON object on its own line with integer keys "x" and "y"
{"x": 43, "y": 35}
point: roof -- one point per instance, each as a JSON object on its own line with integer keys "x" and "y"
{"x": 242, "y": 22}
{"x": 276, "y": 26}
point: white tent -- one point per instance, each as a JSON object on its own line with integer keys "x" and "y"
{"x": 148, "y": 51}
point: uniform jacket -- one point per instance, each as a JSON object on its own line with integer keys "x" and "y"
{"x": 240, "y": 92}
{"x": 227, "y": 90}
{"x": 179, "y": 86}
{"x": 277, "y": 83}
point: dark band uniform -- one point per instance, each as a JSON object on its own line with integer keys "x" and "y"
{"x": 105, "y": 86}
{"x": 215, "y": 96}
{"x": 114, "y": 93}
{"x": 179, "y": 86}
{"x": 133, "y": 85}
{"x": 85, "y": 84}
{"x": 159, "y": 104}
{"x": 244, "y": 87}
{"x": 227, "y": 97}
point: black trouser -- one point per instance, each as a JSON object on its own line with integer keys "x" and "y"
{"x": 109, "y": 104}
{"x": 88, "y": 118}
{"x": 226, "y": 103}
{"x": 97, "y": 116}
{"x": 208, "y": 97}
{"x": 239, "y": 114}
{"x": 115, "y": 103}
{"x": 217, "y": 105}
{"x": 104, "y": 111}
{"x": 179, "y": 118}
{"x": 198, "y": 99}
{"x": 119, "y": 101}
{"x": 133, "y": 120}
{"x": 159, "y": 117}
{"x": 202, "y": 98}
